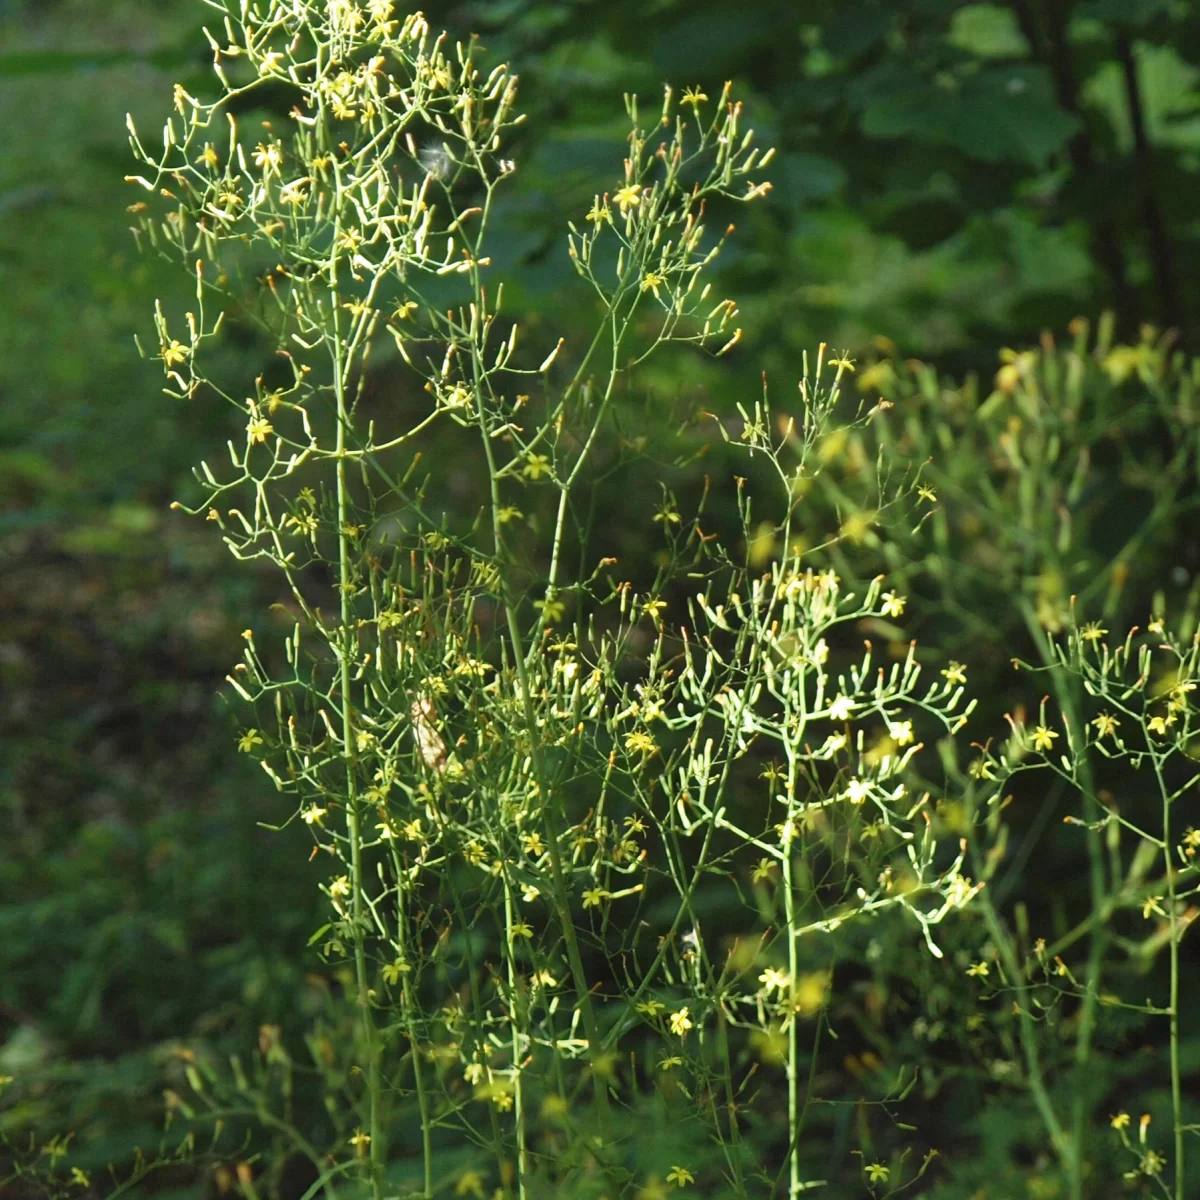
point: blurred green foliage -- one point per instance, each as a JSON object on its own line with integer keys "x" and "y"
{"x": 951, "y": 179}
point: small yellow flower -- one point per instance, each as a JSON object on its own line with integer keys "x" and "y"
{"x": 652, "y": 608}
{"x": 901, "y": 731}
{"x": 503, "y": 1101}
{"x": 877, "y": 1173}
{"x": 1120, "y": 1121}
{"x": 313, "y": 815}
{"x": 670, "y": 1061}
{"x": 651, "y": 1008}
{"x": 594, "y": 897}
{"x": 249, "y": 740}
{"x": 536, "y": 465}
{"x": 508, "y": 513}
{"x": 532, "y": 843}
{"x": 980, "y": 768}
{"x": 652, "y": 281}
{"x": 259, "y": 430}
{"x": 680, "y": 1022}
{"x": 927, "y": 493}
{"x": 394, "y": 971}
{"x": 1092, "y": 632}
{"x": 340, "y": 886}
{"x": 1105, "y": 725}
{"x": 763, "y": 870}
{"x": 361, "y": 1143}
{"x": 599, "y": 213}
{"x": 693, "y": 96}
{"x": 680, "y": 1176}
{"x": 522, "y": 930}
{"x": 406, "y": 310}
{"x": 640, "y": 742}
{"x": 208, "y": 156}
{"x": 175, "y": 353}
{"x": 1160, "y": 724}
{"x": 893, "y": 605}
{"x": 630, "y": 196}
{"x": 1043, "y": 738}
{"x": 1156, "y": 625}
{"x": 955, "y": 673}
{"x": 774, "y": 979}
{"x": 268, "y": 158}
{"x": 980, "y": 970}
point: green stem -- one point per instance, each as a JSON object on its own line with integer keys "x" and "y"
{"x": 345, "y": 648}
{"x": 1093, "y": 813}
{"x": 1173, "y": 945}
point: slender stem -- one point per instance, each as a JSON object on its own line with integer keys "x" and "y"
{"x": 516, "y": 1021}
{"x": 793, "y": 1054}
{"x": 1098, "y": 938}
{"x": 1173, "y": 948}
{"x": 345, "y": 650}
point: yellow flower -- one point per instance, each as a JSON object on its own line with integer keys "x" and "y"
{"x": 1159, "y": 724}
{"x": 1092, "y": 632}
{"x": 268, "y": 158}
{"x": 980, "y": 970}
{"x": 394, "y": 970}
{"x": 1105, "y": 725}
{"x": 594, "y": 897}
{"x": 1043, "y": 738}
{"x": 773, "y": 979}
{"x": 1156, "y": 625}
{"x": 532, "y": 843}
{"x": 981, "y": 769}
{"x": 521, "y": 930}
{"x": 1120, "y": 1121}
{"x": 259, "y": 430}
{"x": 680, "y": 1022}
{"x": 680, "y": 1176}
{"x": 340, "y": 886}
{"x": 955, "y": 673}
{"x": 927, "y": 493}
{"x": 893, "y": 605}
{"x": 294, "y": 193}
{"x": 312, "y": 815}
{"x": 693, "y": 96}
{"x": 208, "y": 156}
{"x": 763, "y": 870}
{"x": 508, "y": 513}
{"x": 249, "y": 740}
{"x": 174, "y": 353}
{"x": 630, "y": 196}
{"x": 360, "y": 1141}
{"x": 536, "y": 465}
{"x": 876, "y": 1173}
{"x": 640, "y": 742}
{"x": 652, "y": 281}
{"x": 902, "y": 731}
{"x": 651, "y": 1008}
{"x": 599, "y": 213}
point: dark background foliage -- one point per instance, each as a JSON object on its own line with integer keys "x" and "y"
{"x": 951, "y": 179}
